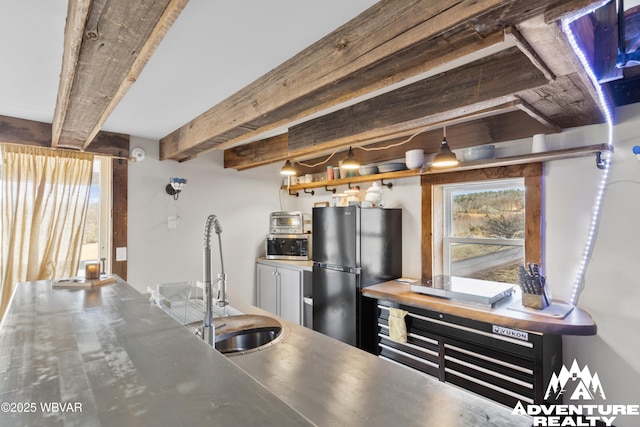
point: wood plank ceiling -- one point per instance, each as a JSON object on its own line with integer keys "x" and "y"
{"x": 491, "y": 70}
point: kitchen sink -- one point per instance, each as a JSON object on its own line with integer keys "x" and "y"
{"x": 251, "y": 339}
{"x": 246, "y": 333}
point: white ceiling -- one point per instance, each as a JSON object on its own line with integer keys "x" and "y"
{"x": 214, "y": 49}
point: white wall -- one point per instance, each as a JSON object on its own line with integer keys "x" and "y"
{"x": 243, "y": 200}
{"x": 611, "y": 294}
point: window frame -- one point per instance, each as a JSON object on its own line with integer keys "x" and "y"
{"x": 105, "y": 227}
{"x": 433, "y": 203}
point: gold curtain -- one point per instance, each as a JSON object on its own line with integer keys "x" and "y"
{"x": 44, "y": 195}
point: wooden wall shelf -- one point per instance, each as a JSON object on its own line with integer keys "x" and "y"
{"x": 566, "y": 153}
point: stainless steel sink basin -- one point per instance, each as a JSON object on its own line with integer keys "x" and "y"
{"x": 246, "y": 333}
{"x": 243, "y": 341}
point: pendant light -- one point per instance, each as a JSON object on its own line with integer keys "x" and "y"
{"x": 288, "y": 169}
{"x": 350, "y": 161}
{"x": 445, "y": 157}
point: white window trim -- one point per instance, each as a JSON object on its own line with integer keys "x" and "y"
{"x": 106, "y": 228}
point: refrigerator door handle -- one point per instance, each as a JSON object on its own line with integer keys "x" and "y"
{"x": 342, "y": 268}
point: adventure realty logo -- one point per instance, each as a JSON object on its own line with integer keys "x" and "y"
{"x": 577, "y": 385}
{"x": 584, "y": 385}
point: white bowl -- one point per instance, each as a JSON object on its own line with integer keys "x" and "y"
{"x": 368, "y": 170}
{"x": 479, "y": 152}
{"x": 414, "y": 159}
{"x": 392, "y": 167}
{"x": 415, "y": 163}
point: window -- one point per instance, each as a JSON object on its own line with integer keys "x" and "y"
{"x": 96, "y": 242}
{"x": 483, "y": 229}
{"x": 449, "y": 245}
{"x": 114, "y": 177}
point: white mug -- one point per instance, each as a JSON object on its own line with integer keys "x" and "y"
{"x": 539, "y": 143}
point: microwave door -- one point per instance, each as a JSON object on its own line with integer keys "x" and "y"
{"x": 274, "y": 247}
{"x": 288, "y": 247}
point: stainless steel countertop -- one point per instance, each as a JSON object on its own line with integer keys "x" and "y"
{"x": 335, "y": 384}
{"x": 129, "y": 363}
{"x": 123, "y": 361}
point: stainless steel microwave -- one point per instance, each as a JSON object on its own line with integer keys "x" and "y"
{"x": 296, "y": 247}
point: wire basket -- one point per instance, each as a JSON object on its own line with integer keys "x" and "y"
{"x": 181, "y": 300}
{"x": 184, "y": 302}
{"x": 186, "y": 311}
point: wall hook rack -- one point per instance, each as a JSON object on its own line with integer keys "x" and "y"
{"x": 350, "y": 187}
{"x": 309, "y": 192}
{"x": 329, "y": 190}
{"x": 387, "y": 184}
{"x": 295, "y": 193}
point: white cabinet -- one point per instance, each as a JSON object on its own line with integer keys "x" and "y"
{"x": 280, "y": 291}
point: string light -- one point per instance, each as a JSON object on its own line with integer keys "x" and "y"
{"x": 386, "y": 147}
{"x": 597, "y": 206}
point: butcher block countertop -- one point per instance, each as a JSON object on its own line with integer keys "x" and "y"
{"x": 577, "y": 322}
{"x": 110, "y": 358}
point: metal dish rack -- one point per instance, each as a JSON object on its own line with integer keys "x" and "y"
{"x": 182, "y": 301}
{"x": 186, "y": 311}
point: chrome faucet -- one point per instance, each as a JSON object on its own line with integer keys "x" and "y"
{"x": 208, "y": 328}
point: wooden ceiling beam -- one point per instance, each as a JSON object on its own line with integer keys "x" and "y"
{"x": 374, "y": 50}
{"x": 30, "y": 132}
{"x": 571, "y": 99}
{"x": 275, "y": 149}
{"x": 524, "y": 46}
{"x": 487, "y": 130}
{"x": 77, "y": 13}
{"x": 571, "y": 9}
{"x": 107, "y": 44}
{"x": 484, "y": 88}
{"x": 605, "y": 41}
{"x": 483, "y": 84}
{"x": 511, "y": 124}
{"x": 524, "y": 106}
{"x": 257, "y": 153}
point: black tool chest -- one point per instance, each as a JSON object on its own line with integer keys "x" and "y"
{"x": 503, "y": 364}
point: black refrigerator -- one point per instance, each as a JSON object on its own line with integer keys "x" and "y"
{"x": 353, "y": 248}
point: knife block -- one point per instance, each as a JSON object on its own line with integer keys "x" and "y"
{"x": 539, "y": 302}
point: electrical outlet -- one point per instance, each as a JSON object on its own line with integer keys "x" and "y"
{"x": 172, "y": 222}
